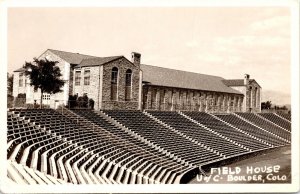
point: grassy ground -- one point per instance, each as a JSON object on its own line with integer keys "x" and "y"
{"x": 270, "y": 158}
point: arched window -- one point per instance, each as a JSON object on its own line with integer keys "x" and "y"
{"x": 128, "y": 84}
{"x": 250, "y": 97}
{"x": 21, "y": 79}
{"x": 153, "y": 98}
{"x": 256, "y": 104}
{"x": 114, "y": 83}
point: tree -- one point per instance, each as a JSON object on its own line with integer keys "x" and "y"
{"x": 10, "y": 98}
{"x": 10, "y": 79}
{"x": 266, "y": 105}
{"x": 44, "y": 75}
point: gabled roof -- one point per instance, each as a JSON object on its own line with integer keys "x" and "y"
{"x": 182, "y": 79}
{"x": 234, "y": 82}
{"x": 237, "y": 82}
{"x": 97, "y": 61}
{"x": 82, "y": 60}
{"x": 72, "y": 58}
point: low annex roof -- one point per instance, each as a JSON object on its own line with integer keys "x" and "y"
{"x": 234, "y": 82}
{"x": 160, "y": 76}
{"x": 97, "y": 61}
{"x": 237, "y": 82}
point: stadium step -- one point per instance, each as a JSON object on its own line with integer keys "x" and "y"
{"x": 216, "y": 133}
{"x": 14, "y": 174}
{"x": 250, "y": 136}
{"x": 244, "y": 119}
{"x": 101, "y": 113}
{"x": 23, "y": 173}
{"x": 65, "y": 148}
{"x": 34, "y": 175}
{"x": 180, "y": 133}
{"x": 271, "y": 122}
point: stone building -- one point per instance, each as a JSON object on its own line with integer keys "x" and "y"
{"x": 118, "y": 83}
{"x": 251, "y": 90}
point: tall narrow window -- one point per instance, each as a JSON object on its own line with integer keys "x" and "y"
{"x": 128, "y": 82}
{"x": 250, "y": 97}
{"x": 21, "y": 80}
{"x": 153, "y": 98}
{"x": 216, "y": 100}
{"x": 114, "y": 83}
{"x": 77, "y": 78}
{"x": 232, "y": 100}
{"x": 172, "y": 99}
{"x": 162, "y": 99}
{"x": 256, "y": 98}
{"x": 87, "y": 75}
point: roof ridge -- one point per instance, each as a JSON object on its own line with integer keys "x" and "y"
{"x": 71, "y": 52}
{"x": 101, "y": 60}
{"x": 104, "y": 57}
{"x": 183, "y": 71}
{"x": 232, "y": 79}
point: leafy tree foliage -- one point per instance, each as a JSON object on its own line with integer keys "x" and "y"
{"x": 10, "y": 98}
{"x": 44, "y": 75}
{"x": 266, "y": 105}
{"x": 10, "y": 79}
{"x": 80, "y": 102}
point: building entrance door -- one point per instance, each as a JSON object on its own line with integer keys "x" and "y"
{"x": 46, "y": 99}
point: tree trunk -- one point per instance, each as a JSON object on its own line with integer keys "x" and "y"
{"x": 41, "y": 100}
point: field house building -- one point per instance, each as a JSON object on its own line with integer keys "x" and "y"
{"x": 118, "y": 83}
{"x": 189, "y": 123}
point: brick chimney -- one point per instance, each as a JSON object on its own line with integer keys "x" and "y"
{"x": 136, "y": 58}
{"x": 246, "y": 79}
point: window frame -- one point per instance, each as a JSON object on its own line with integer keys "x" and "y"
{"x": 128, "y": 85}
{"x": 21, "y": 78}
{"x": 114, "y": 84}
{"x": 77, "y": 77}
{"x": 86, "y": 77}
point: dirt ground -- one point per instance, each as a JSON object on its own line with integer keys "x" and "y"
{"x": 271, "y": 166}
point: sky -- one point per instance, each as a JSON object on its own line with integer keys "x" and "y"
{"x": 222, "y": 41}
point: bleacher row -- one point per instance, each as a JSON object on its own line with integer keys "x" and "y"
{"x": 46, "y": 146}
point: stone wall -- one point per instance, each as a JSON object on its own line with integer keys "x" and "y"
{"x": 123, "y": 65}
{"x": 254, "y": 96}
{"x": 16, "y": 88}
{"x": 191, "y": 100}
{"x": 252, "y": 101}
{"x": 92, "y": 90}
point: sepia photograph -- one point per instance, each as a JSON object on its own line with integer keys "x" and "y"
{"x": 114, "y": 97}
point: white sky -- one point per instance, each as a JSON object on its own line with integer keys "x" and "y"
{"x": 226, "y": 42}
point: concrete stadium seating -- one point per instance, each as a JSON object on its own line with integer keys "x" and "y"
{"x": 267, "y": 125}
{"x": 46, "y": 146}
{"x": 277, "y": 120}
{"x": 286, "y": 116}
{"x": 199, "y": 133}
{"x": 252, "y": 129}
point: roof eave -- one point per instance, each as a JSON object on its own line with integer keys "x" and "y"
{"x": 79, "y": 65}
{"x": 150, "y": 84}
{"x": 19, "y": 70}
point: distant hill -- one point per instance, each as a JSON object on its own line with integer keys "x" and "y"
{"x": 277, "y": 98}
